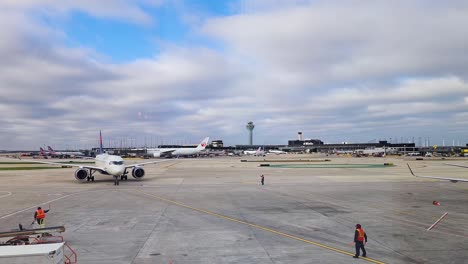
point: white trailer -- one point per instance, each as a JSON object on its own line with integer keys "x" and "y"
{"x": 38, "y": 253}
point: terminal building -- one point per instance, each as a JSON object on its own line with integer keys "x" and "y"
{"x": 301, "y": 145}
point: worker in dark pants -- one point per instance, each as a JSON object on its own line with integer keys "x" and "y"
{"x": 262, "y": 179}
{"x": 40, "y": 215}
{"x": 360, "y": 239}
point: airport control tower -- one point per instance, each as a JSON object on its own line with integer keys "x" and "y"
{"x": 250, "y": 127}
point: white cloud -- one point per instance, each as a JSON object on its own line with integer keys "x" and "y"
{"x": 351, "y": 71}
{"x": 119, "y": 9}
{"x": 349, "y": 42}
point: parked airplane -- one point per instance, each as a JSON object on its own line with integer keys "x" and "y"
{"x": 42, "y": 152}
{"x": 65, "y": 153}
{"x": 108, "y": 165}
{"x": 377, "y": 151}
{"x": 454, "y": 180}
{"x": 258, "y": 152}
{"x": 277, "y": 152}
{"x": 235, "y": 153}
{"x": 162, "y": 152}
{"x": 335, "y": 151}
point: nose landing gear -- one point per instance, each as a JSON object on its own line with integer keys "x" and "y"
{"x": 122, "y": 177}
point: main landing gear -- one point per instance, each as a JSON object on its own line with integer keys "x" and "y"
{"x": 90, "y": 177}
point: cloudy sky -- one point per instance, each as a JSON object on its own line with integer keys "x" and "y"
{"x": 173, "y": 72}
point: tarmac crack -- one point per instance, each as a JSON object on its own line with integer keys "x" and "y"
{"x": 251, "y": 229}
{"x": 155, "y": 226}
{"x": 158, "y": 221}
{"x": 347, "y": 220}
{"x": 320, "y": 245}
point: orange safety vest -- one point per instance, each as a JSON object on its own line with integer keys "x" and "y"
{"x": 361, "y": 233}
{"x": 40, "y": 214}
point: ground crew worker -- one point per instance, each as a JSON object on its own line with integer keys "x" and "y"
{"x": 262, "y": 179}
{"x": 40, "y": 215}
{"x": 360, "y": 239}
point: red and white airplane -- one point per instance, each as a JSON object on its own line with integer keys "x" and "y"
{"x": 160, "y": 152}
{"x": 42, "y": 152}
{"x": 65, "y": 153}
{"x": 259, "y": 152}
{"x": 454, "y": 180}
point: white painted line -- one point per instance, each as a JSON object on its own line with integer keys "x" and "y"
{"x": 35, "y": 206}
{"x": 53, "y": 200}
{"x": 436, "y": 222}
{"x": 5, "y": 195}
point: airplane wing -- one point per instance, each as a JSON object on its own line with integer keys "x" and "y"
{"x": 146, "y": 163}
{"x": 169, "y": 151}
{"x": 165, "y": 152}
{"x": 456, "y": 165}
{"x": 65, "y": 164}
{"x": 438, "y": 178}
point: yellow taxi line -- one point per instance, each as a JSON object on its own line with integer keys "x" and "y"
{"x": 262, "y": 228}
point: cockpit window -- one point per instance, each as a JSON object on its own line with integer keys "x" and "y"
{"x": 117, "y": 162}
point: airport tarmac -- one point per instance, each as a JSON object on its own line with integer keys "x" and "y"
{"x": 213, "y": 210}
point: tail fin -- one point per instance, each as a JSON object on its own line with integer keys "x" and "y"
{"x": 51, "y": 151}
{"x": 41, "y": 151}
{"x": 203, "y": 144}
{"x": 101, "y": 151}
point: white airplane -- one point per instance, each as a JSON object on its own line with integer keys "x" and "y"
{"x": 376, "y": 151}
{"x": 108, "y": 165}
{"x": 454, "y": 180}
{"x": 161, "y": 152}
{"x": 277, "y": 152}
{"x": 335, "y": 151}
{"x": 42, "y": 152}
{"x": 65, "y": 153}
{"x": 258, "y": 152}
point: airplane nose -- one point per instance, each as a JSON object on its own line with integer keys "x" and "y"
{"x": 120, "y": 169}
{"x": 117, "y": 170}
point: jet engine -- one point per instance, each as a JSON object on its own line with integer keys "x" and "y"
{"x": 81, "y": 174}
{"x": 138, "y": 173}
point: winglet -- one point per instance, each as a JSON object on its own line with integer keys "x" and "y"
{"x": 456, "y": 165}
{"x": 411, "y": 170}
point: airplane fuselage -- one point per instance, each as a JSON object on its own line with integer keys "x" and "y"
{"x": 160, "y": 152}
{"x": 174, "y": 151}
{"x": 277, "y": 152}
{"x": 111, "y": 164}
